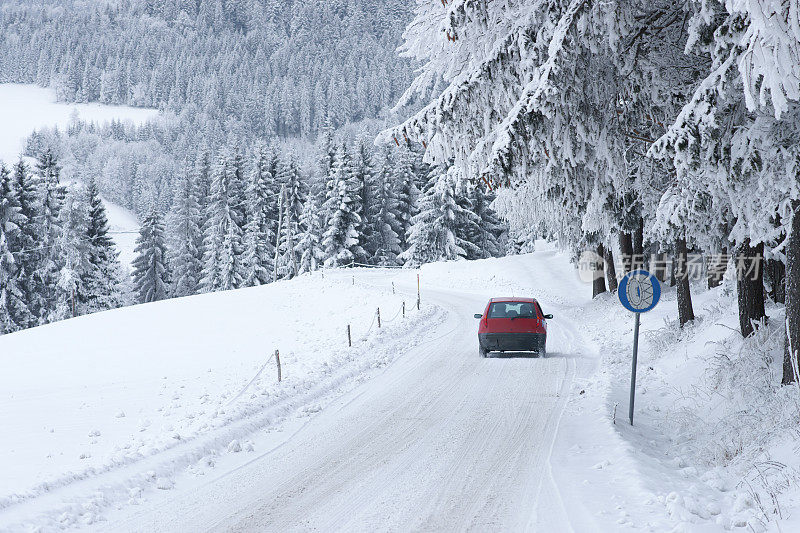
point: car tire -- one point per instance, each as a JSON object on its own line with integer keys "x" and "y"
{"x": 482, "y": 351}
{"x": 543, "y": 349}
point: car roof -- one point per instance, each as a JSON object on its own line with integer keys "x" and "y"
{"x": 513, "y": 299}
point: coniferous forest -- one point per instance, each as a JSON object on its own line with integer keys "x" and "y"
{"x": 261, "y": 166}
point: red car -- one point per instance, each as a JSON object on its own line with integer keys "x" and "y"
{"x": 513, "y": 325}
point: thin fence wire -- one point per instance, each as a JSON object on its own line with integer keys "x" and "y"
{"x": 251, "y": 381}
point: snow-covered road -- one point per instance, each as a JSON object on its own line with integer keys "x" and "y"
{"x": 179, "y": 429}
{"x": 442, "y": 440}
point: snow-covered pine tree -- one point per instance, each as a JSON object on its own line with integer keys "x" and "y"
{"x": 259, "y": 236}
{"x": 492, "y": 230}
{"x": 101, "y": 279}
{"x": 28, "y": 254}
{"x": 150, "y": 270}
{"x": 468, "y": 223}
{"x": 341, "y": 235}
{"x": 363, "y": 176}
{"x": 51, "y": 196}
{"x": 222, "y": 243}
{"x": 13, "y": 310}
{"x": 405, "y": 190}
{"x": 295, "y": 192}
{"x": 73, "y": 251}
{"x": 383, "y": 214}
{"x": 312, "y": 253}
{"x": 327, "y": 147}
{"x": 434, "y": 234}
{"x": 184, "y": 237}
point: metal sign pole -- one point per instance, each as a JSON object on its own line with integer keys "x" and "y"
{"x": 639, "y": 292}
{"x": 633, "y": 365}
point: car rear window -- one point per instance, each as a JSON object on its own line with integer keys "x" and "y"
{"x": 511, "y": 310}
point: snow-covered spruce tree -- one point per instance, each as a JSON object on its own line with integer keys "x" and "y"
{"x": 150, "y": 270}
{"x": 13, "y": 310}
{"x": 259, "y": 236}
{"x": 405, "y": 190}
{"x": 51, "y": 196}
{"x": 468, "y": 223}
{"x": 73, "y": 253}
{"x": 384, "y": 217}
{"x": 184, "y": 237}
{"x": 222, "y": 243}
{"x": 492, "y": 230}
{"x": 363, "y": 176}
{"x": 309, "y": 247}
{"x": 26, "y": 245}
{"x": 101, "y": 279}
{"x": 201, "y": 179}
{"x": 434, "y": 234}
{"x": 341, "y": 234}
{"x": 295, "y": 191}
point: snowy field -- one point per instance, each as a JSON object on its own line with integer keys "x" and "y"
{"x": 137, "y": 395}
{"x": 123, "y": 226}
{"x": 24, "y": 108}
{"x": 168, "y": 416}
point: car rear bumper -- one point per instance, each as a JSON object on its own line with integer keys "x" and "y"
{"x": 522, "y": 342}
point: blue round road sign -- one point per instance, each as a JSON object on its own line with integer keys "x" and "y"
{"x": 639, "y": 291}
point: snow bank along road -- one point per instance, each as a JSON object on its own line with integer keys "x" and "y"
{"x": 440, "y": 439}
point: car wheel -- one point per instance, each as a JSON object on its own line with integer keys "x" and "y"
{"x": 482, "y": 351}
{"x": 543, "y": 349}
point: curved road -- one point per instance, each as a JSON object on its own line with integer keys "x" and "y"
{"x": 442, "y": 440}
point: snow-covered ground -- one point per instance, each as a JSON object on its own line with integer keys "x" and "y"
{"x": 124, "y": 229}
{"x": 24, "y": 108}
{"x": 168, "y": 416}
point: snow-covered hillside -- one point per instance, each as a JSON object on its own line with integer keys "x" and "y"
{"x": 26, "y": 107}
{"x": 163, "y": 387}
{"x": 169, "y": 415}
{"x": 123, "y": 227}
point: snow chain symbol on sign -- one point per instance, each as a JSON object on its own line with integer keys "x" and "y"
{"x": 639, "y": 291}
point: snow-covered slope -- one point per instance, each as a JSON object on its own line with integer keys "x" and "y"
{"x": 154, "y": 388}
{"x": 124, "y": 229}
{"x": 24, "y": 108}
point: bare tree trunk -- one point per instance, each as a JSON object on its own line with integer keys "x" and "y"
{"x": 659, "y": 267}
{"x": 599, "y": 283}
{"x": 611, "y": 270}
{"x": 672, "y": 278}
{"x": 626, "y": 251}
{"x": 792, "y": 296}
{"x": 638, "y": 245}
{"x": 777, "y": 278}
{"x": 750, "y": 285}
{"x": 716, "y": 268}
{"x": 685, "y": 310}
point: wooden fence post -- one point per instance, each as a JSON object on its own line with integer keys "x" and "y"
{"x": 379, "y": 318}
{"x": 349, "y": 338}
{"x": 278, "y": 361}
{"x": 404, "y": 309}
{"x": 417, "y": 292}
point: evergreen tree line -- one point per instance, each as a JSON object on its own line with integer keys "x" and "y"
{"x": 239, "y": 221}
{"x": 256, "y": 68}
{"x": 236, "y": 220}
{"x": 57, "y": 259}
